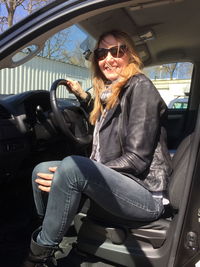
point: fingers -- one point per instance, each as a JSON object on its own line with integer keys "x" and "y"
{"x": 73, "y": 85}
{"x": 75, "y": 88}
{"x": 44, "y": 181}
{"x": 44, "y": 185}
{"x": 47, "y": 176}
{"x": 44, "y": 188}
{"x": 69, "y": 82}
{"x": 52, "y": 169}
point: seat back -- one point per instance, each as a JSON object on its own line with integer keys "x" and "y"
{"x": 180, "y": 164}
{"x": 105, "y": 227}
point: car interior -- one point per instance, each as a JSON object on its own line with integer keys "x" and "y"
{"x": 36, "y": 125}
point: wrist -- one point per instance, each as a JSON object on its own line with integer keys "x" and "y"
{"x": 86, "y": 99}
{"x": 83, "y": 95}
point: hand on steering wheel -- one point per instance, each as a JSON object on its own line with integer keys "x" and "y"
{"x": 64, "y": 121}
{"x": 75, "y": 88}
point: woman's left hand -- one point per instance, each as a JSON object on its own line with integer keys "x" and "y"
{"x": 44, "y": 180}
{"x": 75, "y": 88}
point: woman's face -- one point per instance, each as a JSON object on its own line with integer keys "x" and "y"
{"x": 110, "y": 66}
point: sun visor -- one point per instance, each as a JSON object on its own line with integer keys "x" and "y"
{"x": 171, "y": 55}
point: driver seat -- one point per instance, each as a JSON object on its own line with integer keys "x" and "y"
{"x": 100, "y": 232}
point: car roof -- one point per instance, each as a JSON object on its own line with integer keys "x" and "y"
{"x": 179, "y": 100}
{"x": 163, "y": 30}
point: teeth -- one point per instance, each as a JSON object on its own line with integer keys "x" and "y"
{"x": 110, "y": 67}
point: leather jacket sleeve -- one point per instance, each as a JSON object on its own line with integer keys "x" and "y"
{"x": 139, "y": 128}
{"x": 87, "y": 104}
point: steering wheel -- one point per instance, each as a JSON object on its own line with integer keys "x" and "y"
{"x": 77, "y": 131}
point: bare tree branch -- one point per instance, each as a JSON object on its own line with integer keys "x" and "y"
{"x": 170, "y": 69}
{"x": 3, "y": 22}
{"x": 11, "y": 6}
{"x": 55, "y": 47}
{"x": 28, "y": 5}
{"x": 34, "y": 4}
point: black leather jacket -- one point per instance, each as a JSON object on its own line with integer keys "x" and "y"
{"x": 132, "y": 137}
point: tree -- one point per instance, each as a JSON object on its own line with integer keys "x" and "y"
{"x": 179, "y": 70}
{"x": 170, "y": 69}
{"x": 34, "y": 4}
{"x": 11, "y": 7}
{"x": 184, "y": 70}
{"x": 3, "y": 21}
{"x": 55, "y": 47}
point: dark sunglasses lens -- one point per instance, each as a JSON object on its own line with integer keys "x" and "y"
{"x": 114, "y": 51}
{"x": 117, "y": 52}
{"x": 101, "y": 53}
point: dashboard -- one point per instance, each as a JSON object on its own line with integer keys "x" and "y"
{"x": 27, "y": 128}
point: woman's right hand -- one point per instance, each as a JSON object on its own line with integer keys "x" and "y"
{"x": 75, "y": 88}
{"x": 44, "y": 180}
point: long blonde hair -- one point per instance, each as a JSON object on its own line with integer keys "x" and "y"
{"x": 134, "y": 67}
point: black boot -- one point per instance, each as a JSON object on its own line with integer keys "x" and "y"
{"x": 40, "y": 256}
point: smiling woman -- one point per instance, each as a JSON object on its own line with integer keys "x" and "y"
{"x": 125, "y": 170}
{"x": 129, "y": 163}
{"x": 112, "y": 49}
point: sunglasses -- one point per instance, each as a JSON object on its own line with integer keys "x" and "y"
{"x": 116, "y": 52}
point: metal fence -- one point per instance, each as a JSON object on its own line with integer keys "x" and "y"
{"x": 39, "y": 73}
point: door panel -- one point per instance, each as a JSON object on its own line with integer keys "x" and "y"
{"x": 175, "y": 127}
{"x": 180, "y": 123}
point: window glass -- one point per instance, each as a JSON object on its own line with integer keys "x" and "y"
{"x": 61, "y": 58}
{"x": 173, "y": 82}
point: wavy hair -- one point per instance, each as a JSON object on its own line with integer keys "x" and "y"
{"x": 134, "y": 67}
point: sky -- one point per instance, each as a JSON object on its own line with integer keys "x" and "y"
{"x": 19, "y": 13}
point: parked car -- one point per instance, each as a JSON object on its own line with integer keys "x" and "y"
{"x": 164, "y": 32}
{"x": 178, "y": 103}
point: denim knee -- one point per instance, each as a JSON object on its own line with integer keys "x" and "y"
{"x": 69, "y": 164}
{"x": 41, "y": 167}
{"x": 69, "y": 171}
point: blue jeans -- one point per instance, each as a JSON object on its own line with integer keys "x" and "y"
{"x": 76, "y": 175}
